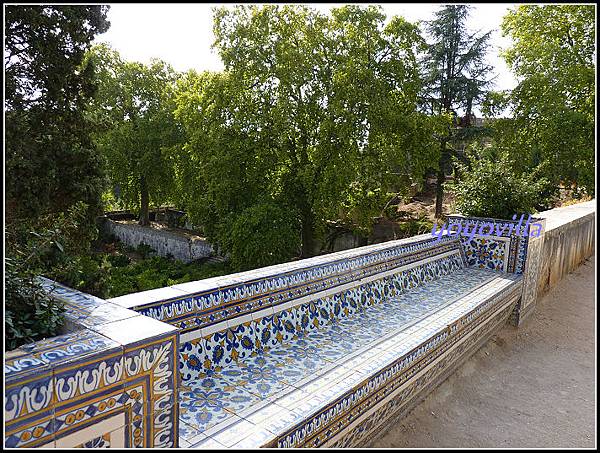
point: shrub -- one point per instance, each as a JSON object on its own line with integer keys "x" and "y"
{"x": 262, "y": 235}
{"x": 489, "y": 187}
{"x": 414, "y": 227}
{"x": 30, "y": 314}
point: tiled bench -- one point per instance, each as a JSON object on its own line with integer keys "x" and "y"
{"x": 271, "y": 396}
{"x": 325, "y": 351}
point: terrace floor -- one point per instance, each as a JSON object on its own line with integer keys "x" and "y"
{"x": 527, "y": 387}
{"x": 219, "y": 398}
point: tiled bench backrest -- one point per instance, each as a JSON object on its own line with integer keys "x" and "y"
{"x": 245, "y": 312}
{"x": 512, "y": 246}
{"x": 496, "y": 244}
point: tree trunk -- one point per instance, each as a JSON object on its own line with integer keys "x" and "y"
{"x": 441, "y": 178}
{"x": 308, "y": 234}
{"x": 144, "y": 203}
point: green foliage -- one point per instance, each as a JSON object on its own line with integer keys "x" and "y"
{"x": 29, "y": 314}
{"x": 553, "y": 55}
{"x": 262, "y": 235}
{"x": 54, "y": 178}
{"x": 50, "y": 160}
{"x": 46, "y": 247}
{"x": 134, "y": 107}
{"x": 312, "y": 113}
{"x": 145, "y": 250}
{"x": 491, "y": 188}
{"x": 456, "y": 78}
{"x": 414, "y": 227}
{"x": 111, "y": 275}
{"x": 456, "y": 72}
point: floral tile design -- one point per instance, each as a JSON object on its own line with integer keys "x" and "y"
{"x": 207, "y": 402}
{"x": 298, "y": 344}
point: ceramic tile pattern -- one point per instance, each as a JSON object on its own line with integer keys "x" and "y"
{"x": 311, "y": 354}
{"x": 90, "y": 387}
{"x": 318, "y": 352}
{"x": 276, "y": 371}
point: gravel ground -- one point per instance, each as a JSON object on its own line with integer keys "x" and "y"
{"x": 527, "y": 387}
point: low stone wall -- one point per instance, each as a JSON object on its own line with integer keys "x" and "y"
{"x": 165, "y": 242}
{"x": 568, "y": 240}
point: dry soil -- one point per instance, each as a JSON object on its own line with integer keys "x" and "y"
{"x": 527, "y": 387}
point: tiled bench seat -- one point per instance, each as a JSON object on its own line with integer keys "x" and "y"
{"x": 325, "y": 351}
{"x": 268, "y": 397}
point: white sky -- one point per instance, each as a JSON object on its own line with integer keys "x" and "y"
{"x": 181, "y": 34}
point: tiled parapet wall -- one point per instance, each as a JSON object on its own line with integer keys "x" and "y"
{"x": 110, "y": 381}
{"x": 223, "y": 319}
{"x": 509, "y": 246}
{"x": 203, "y": 303}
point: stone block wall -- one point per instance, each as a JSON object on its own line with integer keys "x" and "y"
{"x": 179, "y": 246}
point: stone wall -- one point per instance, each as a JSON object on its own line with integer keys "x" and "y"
{"x": 180, "y": 246}
{"x": 568, "y": 240}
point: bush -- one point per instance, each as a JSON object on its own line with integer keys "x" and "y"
{"x": 262, "y": 235}
{"x": 414, "y": 227}
{"x": 29, "y": 315}
{"x": 489, "y": 187}
{"x": 46, "y": 247}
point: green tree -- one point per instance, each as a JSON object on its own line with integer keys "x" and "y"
{"x": 553, "y": 56}
{"x": 53, "y": 174}
{"x": 457, "y": 78}
{"x": 51, "y": 162}
{"x": 491, "y": 187}
{"x": 313, "y": 114}
{"x": 137, "y": 129}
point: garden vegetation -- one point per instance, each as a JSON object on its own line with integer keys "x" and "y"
{"x": 316, "y": 120}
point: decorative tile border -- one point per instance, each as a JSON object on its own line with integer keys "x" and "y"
{"x": 505, "y": 251}
{"x": 225, "y": 300}
{"x": 235, "y": 342}
{"x": 112, "y": 382}
{"x": 335, "y": 417}
{"x": 531, "y": 276}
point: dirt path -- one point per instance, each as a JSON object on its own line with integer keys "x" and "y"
{"x": 531, "y": 387}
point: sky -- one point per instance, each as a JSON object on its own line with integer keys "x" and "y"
{"x": 181, "y": 34}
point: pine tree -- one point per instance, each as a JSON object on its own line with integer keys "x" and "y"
{"x": 456, "y": 76}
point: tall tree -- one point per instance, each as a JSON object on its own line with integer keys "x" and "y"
{"x": 553, "y": 56}
{"x": 53, "y": 175}
{"x": 51, "y": 162}
{"x": 457, "y": 77}
{"x": 134, "y": 107}
{"x": 327, "y": 105}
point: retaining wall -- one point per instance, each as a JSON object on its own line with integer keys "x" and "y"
{"x": 182, "y": 247}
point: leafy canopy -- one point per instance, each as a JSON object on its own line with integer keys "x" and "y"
{"x": 134, "y": 108}
{"x": 553, "y": 56}
{"x": 312, "y": 114}
{"x": 50, "y": 160}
